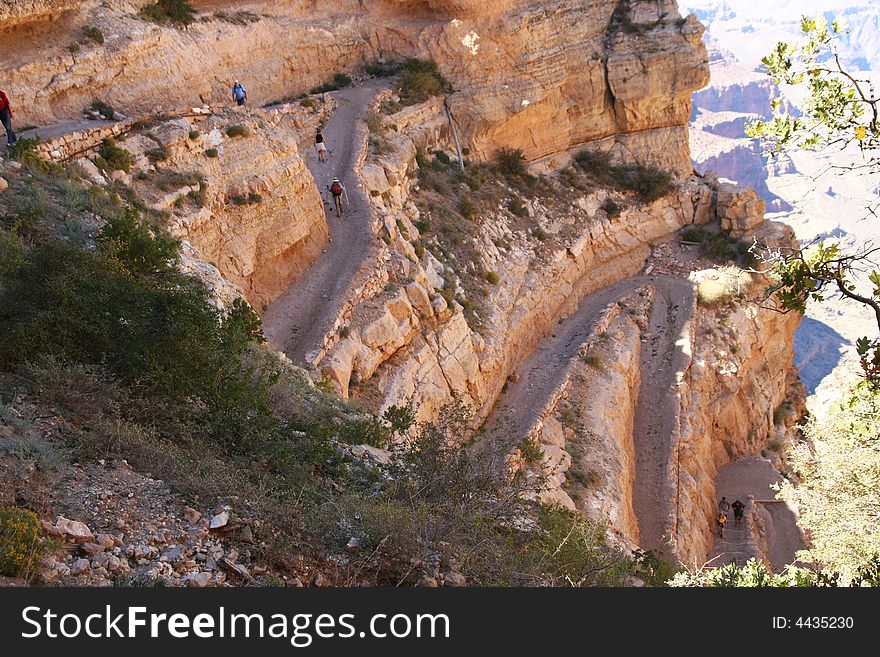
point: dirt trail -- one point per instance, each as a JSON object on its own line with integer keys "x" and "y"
{"x": 297, "y": 321}
{"x": 656, "y": 420}
{"x": 755, "y": 475}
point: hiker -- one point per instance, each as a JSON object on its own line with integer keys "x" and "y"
{"x": 722, "y": 520}
{"x": 239, "y": 95}
{"x": 723, "y": 506}
{"x": 738, "y": 508}
{"x": 337, "y": 189}
{"x": 6, "y": 118}
{"x": 320, "y": 146}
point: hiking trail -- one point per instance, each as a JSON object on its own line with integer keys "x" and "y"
{"x": 296, "y": 321}
{"x": 755, "y": 476}
{"x": 518, "y": 409}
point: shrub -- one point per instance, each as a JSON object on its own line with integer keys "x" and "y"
{"x": 711, "y": 292}
{"x": 611, "y": 208}
{"x": 20, "y": 544}
{"x": 695, "y": 234}
{"x": 467, "y": 209}
{"x": 94, "y": 33}
{"x": 24, "y": 149}
{"x": 115, "y": 157}
{"x": 649, "y": 183}
{"x": 530, "y": 450}
{"x": 511, "y": 162}
{"x": 211, "y": 152}
{"x": 159, "y": 154}
{"x": 238, "y": 130}
{"x": 422, "y": 80}
{"x": 517, "y": 207}
{"x": 103, "y": 109}
{"x": 491, "y": 277}
{"x": 307, "y": 102}
{"x": 194, "y": 134}
{"x": 178, "y": 12}
{"x": 340, "y": 81}
{"x": 383, "y": 69}
{"x": 73, "y": 48}
{"x": 375, "y": 123}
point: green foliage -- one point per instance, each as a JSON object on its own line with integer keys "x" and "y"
{"x": 238, "y": 130}
{"x": 211, "y": 152}
{"x": 511, "y": 162}
{"x": 252, "y": 198}
{"x": 383, "y": 69}
{"x": 611, "y": 208}
{"x": 105, "y": 110}
{"x": 307, "y": 102}
{"x": 649, "y": 183}
{"x": 838, "y": 482}
{"x": 753, "y": 574}
{"x": 115, "y": 157}
{"x": 340, "y": 81}
{"x": 24, "y": 149}
{"x": 194, "y": 134}
{"x": 517, "y": 207}
{"x": 20, "y": 544}
{"x": 839, "y": 105}
{"x": 530, "y": 450}
{"x": 177, "y": 12}
{"x": 94, "y": 33}
{"x": 143, "y": 249}
{"x": 422, "y": 80}
{"x": 467, "y": 209}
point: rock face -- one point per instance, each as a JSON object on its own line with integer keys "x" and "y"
{"x": 262, "y": 220}
{"x": 615, "y": 74}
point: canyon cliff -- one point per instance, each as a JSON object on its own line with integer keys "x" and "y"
{"x": 552, "y": 300}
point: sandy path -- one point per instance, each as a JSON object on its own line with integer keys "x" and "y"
{"x": 297, "y": 321}
{"x": 755, "y": 475}
{"x": 656, "y": 420}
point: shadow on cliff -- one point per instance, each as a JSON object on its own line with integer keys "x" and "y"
{"x": 818, "y": 349}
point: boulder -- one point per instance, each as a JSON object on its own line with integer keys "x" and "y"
{"x": 219, "y": 520}
{"x": 739, "y": 209}
{"x": 74, "y": 530}
{"x": 454, "y": 579}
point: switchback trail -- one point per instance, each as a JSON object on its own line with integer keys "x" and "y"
{"x": 656, "y": 418}
{"x": 297, "y": 320}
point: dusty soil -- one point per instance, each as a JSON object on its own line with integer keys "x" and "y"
{"x": 297, "y": 321}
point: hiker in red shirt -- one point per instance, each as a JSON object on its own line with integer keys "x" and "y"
{"x": 6, "y": 118}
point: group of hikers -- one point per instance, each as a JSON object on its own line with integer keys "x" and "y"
{"x": 724, "y": 508}
{"x": 336, "y": 187}
{"x": 239, "y": 96}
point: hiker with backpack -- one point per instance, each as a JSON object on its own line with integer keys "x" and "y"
{"x": 722, "y": 520}
{"x": 239, "y": 95}
{"x": 6, "y": 118}
{"x": 337, "y": 189}
{"x": 738, "y": 508}
{"x": 320, "y": 145}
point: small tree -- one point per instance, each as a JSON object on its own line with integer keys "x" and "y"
{"x": 841, "y": 109}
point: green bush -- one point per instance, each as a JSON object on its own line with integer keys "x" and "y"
{"x": 467, "y": 209}
{"x": 422, "y": 80}
{"x": 517, "y": 207}
{"x": 511, "y": 162}
{"x": 340, "y": 81}
{"x": 158, "y": 154}
{"x": 94, "y": 33}
{"x": 649, "y": 183}
{"x": 178, "y": 12}
{"x": 212, "y": 152}
{"x": 115, "y": 157}
{"x": 106, "y": 111}
{"x": 238, "y": 130}
{"x": 611, "y": 208}
{"x": 20, "y": 544}
{"x": 194, "y": 134}
{"x": 307, "y": 102}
